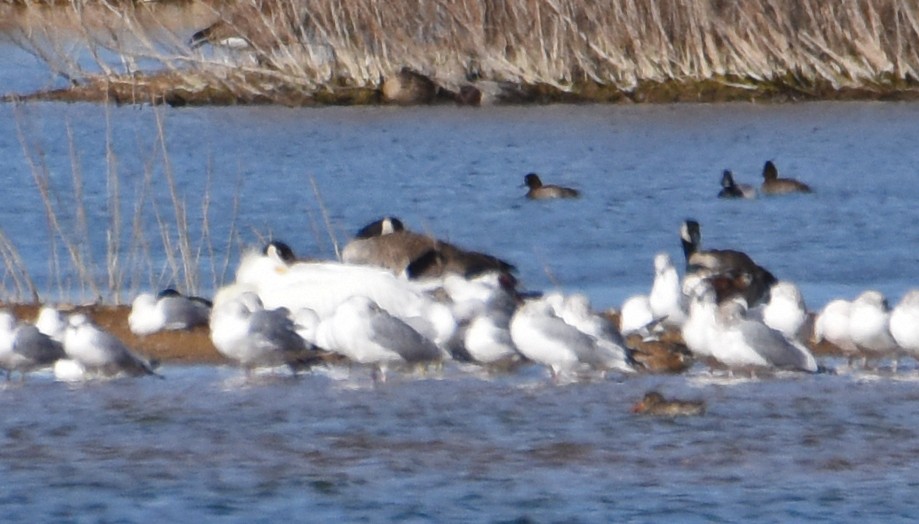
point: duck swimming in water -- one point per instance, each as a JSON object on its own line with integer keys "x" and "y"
{"x": 653, "y": 403}
{"x": 540, "y": 191}
{"x": 731, "y": 189}
{"x": 774, "y": 185}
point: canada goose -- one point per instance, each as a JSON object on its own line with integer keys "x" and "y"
{"x": 386, "y": 243}
{"x": 540, "y": 191}
{"x": 773, "y": 185}
{"x": 750, "y": 280}
{"x": 731, "y": 189}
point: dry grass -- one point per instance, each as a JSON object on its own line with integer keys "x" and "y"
{"x": 303, "y": 46}
{"x": 145, "y": 242}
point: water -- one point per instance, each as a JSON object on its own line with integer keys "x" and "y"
{"x": 459, "y": 445}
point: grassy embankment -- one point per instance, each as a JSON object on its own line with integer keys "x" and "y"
{"x": 321, "y": 52}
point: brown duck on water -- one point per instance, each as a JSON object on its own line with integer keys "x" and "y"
{"x": 540, "y": 191}
{"x": 774, "y": 185}
{"x": 653, "y": 403}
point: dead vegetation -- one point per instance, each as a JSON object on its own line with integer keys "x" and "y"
{"x": 317, "y": 51}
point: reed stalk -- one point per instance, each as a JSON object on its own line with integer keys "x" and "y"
{"x": 103, "y": 255}
{"x": 305, "y": 46}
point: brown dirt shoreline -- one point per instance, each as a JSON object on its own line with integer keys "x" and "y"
{"x": 175, "y": 347}
{"x": 187, "y": 89}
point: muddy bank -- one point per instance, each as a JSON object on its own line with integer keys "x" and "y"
{"x": 410, "y": 88}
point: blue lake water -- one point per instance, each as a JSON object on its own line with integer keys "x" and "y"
{"x": 459, "y": 445}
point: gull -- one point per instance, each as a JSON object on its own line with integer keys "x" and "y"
{"x": 785, "y": 310}
{"x": 23, "y": 348}
{"x": 743, "y": 342}
{"x": 51, "y": 322}
{"x": 869, "y": 320}
{"x": 99, "y": 352}
{"x": 832, "y": 324}
{"x": 666, "y": 299}
{"x": 323, "y": 286}
{"x": 168, "y": 310}
{"x": 700, "y": 329}
{"x": 367, "y": 334}
{"x": 904, "y": 323}
{"x": 245, "y": 332}
{"x": 543, "y": 337}
{"x": 635, "y": 315}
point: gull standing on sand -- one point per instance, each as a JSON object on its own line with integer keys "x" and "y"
{"x": 744, "y": 342}
{"x": 543, "y": 337}
{"x": 577, "y": 311}
{"x": 700, "y": 329}
{"x": 666, "y": 299}
{"x": 785, "y": 311}
{"x": 99, "y": 352}
{"x": 169, "y": 310}
{"x": 23, "y": 348}
{"x": 869, "y": 324}
{"x": 245, "y": 332}
{"x": 635, "y": 315}
{"x": 832, "y": 325}
{"x": 904, "y": 323}
{"x": 51, "y": 322}
{"x": 365, "y": 333}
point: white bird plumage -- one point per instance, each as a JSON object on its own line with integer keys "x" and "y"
{"x": 100, "y": 352}
{"x": 23, "y": 348}
{"x": 904, "y": 322}
{"x": 832, "y": 325}
{"x": 167, "y": 311}
{"x": 365, "y": 333}
{"x": 247, "y": 333}
{"x": 323, "y": 286}
{"x": 545, "y": 338}
{"x": 785, "y": 311}
{"x": 666, "y": 299}
{"x": 868, "y": 324}
{"x": 636, "y": 315}
{"x": 746, "y": 342}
